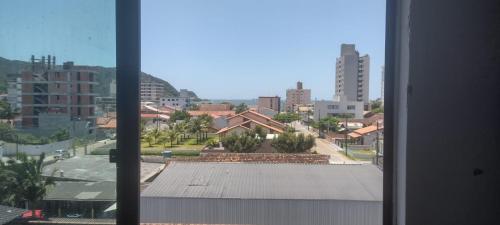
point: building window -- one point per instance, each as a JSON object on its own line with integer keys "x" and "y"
{"x": 351, "y": 107}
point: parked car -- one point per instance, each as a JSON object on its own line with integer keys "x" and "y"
{"x": 28, "y": 215}
{"x": 74, "y": 215}
{"x": 61, "y": 154}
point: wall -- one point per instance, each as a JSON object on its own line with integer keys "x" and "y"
{"x": 452, "y": 171}
{"x": 10, "y": 148}
{"x": 266, "y": 211}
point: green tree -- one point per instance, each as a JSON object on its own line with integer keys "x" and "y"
{"x": 293, "y": 143}
{"x": 7, "y": 112}
{"x": 60, "y": 135}
{"x": 241, "y": 108}
{"x": 376, "y": 106}
{"x": 30, "y": 185}
{"x": 172, "y": 135}
{"x": 287, "y": 117}
{"x": 329, "y": 123}
{"x": 150, "y": 137}
{"x": 179, "y": 115}
{"x": 244, "y": 143}
{"x": 205, "y": 123}
{"x": 195, "y": 127}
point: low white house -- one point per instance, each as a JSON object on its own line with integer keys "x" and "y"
{"x": 339, "y": 106}
{"x": 176, "y": 102}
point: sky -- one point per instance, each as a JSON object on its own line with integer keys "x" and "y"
{"x": 221, "y": 49}
{"x": 248, "y": 48}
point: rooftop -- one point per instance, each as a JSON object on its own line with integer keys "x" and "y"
{"x": 82, "y": 191}
{"x": 267, "y": 181}
{"x": 93, "y": 168}
{"x": 8, "y": 214}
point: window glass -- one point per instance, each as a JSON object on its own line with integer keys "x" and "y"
{"x": 57, "y": 110}
{"x": 213, "y": 71}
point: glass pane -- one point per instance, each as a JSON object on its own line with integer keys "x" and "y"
{"x": 266, "y": 111}
{"x": 58, "y": 118}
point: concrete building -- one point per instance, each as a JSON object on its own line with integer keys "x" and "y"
{"x": 264, "y": 193}
{"x": 151, "y": 91}
{"x": 50, "y": 91}
{"x": 352, "y": 75}
{"x": 339, "y": 106}
{"x": 272, "y": 102}
{"x": 14, "y": 91}
{"x": 176, "y": 102}
{"x": 297, "y": 97}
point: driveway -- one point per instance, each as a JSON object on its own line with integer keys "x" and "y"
{"x": 323, "y": 146}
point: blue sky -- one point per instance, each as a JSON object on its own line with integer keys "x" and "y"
{"x": 228, "y": 49}
{"x": 247, "y": 48}
{"x": 74, "y": 30}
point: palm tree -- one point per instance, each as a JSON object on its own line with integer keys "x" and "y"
{"x": 195, "y": 128}
{"x": 150, "y": 138}
{"x": 7, "y": 185}
{"x": 31, "y": 185}
{"x": 205, "y": 123}
{"x": 172, "y": 135}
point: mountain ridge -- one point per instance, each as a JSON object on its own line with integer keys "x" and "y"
{"x": 104, "y": 76}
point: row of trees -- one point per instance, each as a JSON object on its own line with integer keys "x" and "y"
{"x": 176, "y": 132}
{"x": 287, "y": 117}
{"x": 22, "y": 183}
{"x": 250, "y": 141}
{"x": 329, "y": 123}
{"x": 9, "y": 134}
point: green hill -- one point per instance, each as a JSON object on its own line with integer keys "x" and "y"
{"x": 104, "y": 76}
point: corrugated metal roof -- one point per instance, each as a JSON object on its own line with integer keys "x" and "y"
{"x": 93, "y": 168}
{"x": 82, "y": 191}
{"x": 8, "y": 214}
{"x": 267, "y": 181}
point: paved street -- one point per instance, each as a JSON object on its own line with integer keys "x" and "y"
{"x": 323, "y": 146}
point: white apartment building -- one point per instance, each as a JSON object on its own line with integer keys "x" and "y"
{"x": 176, "y": 102}
{"x": 339, "y": 106}
{"x": 352, "y": 75}
{"x": 152, "y": 91}
{"x": 297, "y": 97}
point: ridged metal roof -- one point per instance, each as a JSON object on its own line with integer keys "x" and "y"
{"x": 267, "y": 181}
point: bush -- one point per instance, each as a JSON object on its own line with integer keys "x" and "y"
{"x": 291, "y": 143}
{"x": 244, "y": 143}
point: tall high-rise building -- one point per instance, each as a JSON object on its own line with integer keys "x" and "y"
{"x": 49, "y": 91}
{"x": 270, "y": 102}
{"x": 352, "y": 75}
{"x": 297, "y": 97}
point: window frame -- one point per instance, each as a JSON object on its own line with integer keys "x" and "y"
{"x": 128, "y": 64}
{"x": 128, "y": 68}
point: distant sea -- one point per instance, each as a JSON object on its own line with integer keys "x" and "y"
{"x": 248, "y": 102}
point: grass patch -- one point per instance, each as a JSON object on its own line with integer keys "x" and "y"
{"x": 187, "y": 144}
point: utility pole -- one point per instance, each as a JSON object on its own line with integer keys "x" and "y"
{"x": 158, "y": 116}
{"x": 345, "y": 135}
{"x": 319, "y": 123}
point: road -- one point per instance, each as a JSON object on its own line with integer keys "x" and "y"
{"x": 323, "y": 146}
